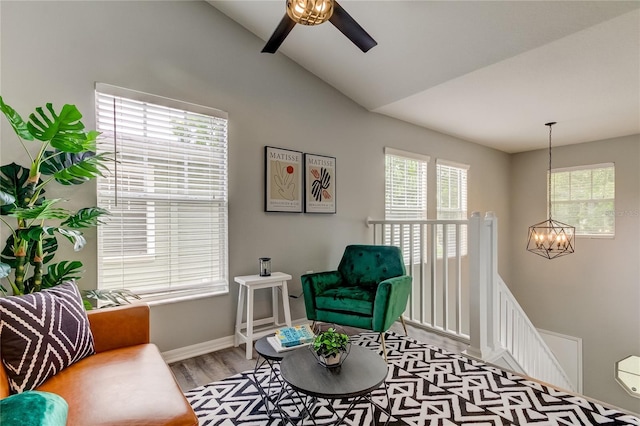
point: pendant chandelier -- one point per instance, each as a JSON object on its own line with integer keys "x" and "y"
{"x": 551, "y": 238}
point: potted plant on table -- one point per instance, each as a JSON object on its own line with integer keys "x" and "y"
{"x": 331, "y": 347}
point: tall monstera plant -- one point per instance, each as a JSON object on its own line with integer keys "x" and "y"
{"x": 60, "y": 150}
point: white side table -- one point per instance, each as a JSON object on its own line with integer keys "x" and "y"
{"x": 248, "y": 284}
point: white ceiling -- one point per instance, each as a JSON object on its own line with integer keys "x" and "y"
{"x": 491, "y": 72}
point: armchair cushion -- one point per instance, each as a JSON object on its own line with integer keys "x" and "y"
{"x": 347, "y": 299}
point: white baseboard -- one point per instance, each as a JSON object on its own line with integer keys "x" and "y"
{"x": 179, "y": 354}
{"x": 198, "y": 349}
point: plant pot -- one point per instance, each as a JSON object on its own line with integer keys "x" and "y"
{"x": 332, "y": 361}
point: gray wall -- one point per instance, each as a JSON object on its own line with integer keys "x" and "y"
{"x": 595, "y": 292}
{"x": 55, "y": 51}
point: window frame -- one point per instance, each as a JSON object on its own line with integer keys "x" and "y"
{"x": 165, "y": 203}
{"x": 463, "y": 199}
{"x": 611, "y": 213}
{"x": 422, "y": 195}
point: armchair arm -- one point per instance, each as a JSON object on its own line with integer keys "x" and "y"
{"x": 312, "y": 284}
{"x": 390, "y": 302}
{"x": 119, "y": 327}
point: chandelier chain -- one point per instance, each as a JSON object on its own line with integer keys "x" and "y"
{"x": 549, "y": 174}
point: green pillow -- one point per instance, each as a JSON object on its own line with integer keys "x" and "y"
{"x": 33, "y": 408}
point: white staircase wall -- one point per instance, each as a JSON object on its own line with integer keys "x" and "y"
{"x": 568, "y": 352}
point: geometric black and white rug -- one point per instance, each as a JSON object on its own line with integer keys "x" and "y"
{"x": 427, "y": 386}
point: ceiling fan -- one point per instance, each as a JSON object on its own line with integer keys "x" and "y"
{"x": 315, "y": 12}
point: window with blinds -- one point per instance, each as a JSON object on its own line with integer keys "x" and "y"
{"x": 452, "y": 203}
{"x": 166, "y": 191}
{"x": 405, "y": 196}
{"x": 584, "y": 197}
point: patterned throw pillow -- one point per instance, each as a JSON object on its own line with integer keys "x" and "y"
{"x": 42, "y": 333}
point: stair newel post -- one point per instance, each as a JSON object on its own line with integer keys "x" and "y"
{"x": 482, "y": 292}
{"x": 493, "y": 308}
{"x": 477, "y": 289}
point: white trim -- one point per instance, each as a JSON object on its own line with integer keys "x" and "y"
{"x": 191, "y": 351}
{"x": 167, "y": 298}
{"x": 406, "y": 154}
{"x": 198, "y": 349}
{"x": 462, "y": 166}
{"x": 108, "y": 89}
{"x": 585, "y": 167}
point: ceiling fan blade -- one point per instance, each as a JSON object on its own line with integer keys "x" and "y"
{"x": 350, "y": 28}
{"x": 282, "y": 31}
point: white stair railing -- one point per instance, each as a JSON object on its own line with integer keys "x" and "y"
{"x": 500, "y": 329}
{"x": 435, "y": 257}
{"x": 459, "y": 294}
{"x": 522, "y": 341}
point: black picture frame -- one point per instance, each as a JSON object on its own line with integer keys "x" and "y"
{"x": 320, "y": 184}
{"x": 283, "y": 180}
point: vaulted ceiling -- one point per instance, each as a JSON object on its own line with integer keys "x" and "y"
{"x": 491, "y": 72}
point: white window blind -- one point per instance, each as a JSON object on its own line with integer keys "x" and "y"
{"x": 452, "y": 203}
{"x": 405, "y": 195}
{"x": 167, "y": 193}
{"x": 584, "y": 197}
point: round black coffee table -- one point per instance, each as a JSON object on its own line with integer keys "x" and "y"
{"x": 360, "y": 374}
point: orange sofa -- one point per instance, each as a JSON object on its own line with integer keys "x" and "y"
{"x": 126, "y": 382}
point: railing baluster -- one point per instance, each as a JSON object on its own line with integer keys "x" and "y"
{"x": 445, "y": 277}
{"x": 422, "y": 273}
{"x": 411, "y": 254}
{"x": 458, "y": 281}
{"x": 432, "y": 270}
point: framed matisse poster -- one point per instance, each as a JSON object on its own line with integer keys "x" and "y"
{"x": 320, "y": 184}
{"x": 283, "y": 180}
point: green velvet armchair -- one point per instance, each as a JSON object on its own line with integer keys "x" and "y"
{"x": 369, "y": 290}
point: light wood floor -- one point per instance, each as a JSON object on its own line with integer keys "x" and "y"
{"x": 214, "y": 366}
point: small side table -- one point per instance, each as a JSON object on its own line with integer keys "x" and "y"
{"x": 248, "y": 284}
{"x": 271, "y": 387}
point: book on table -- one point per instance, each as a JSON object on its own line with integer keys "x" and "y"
{"x": 294, "y": 336}
{"x": 275, "y": 344}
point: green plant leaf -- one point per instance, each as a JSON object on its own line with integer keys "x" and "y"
{"x": 65, "y": 131}
{"x": 13, "y": 181}
{"x": 7, "y": 253}
{"x": 114, "y": 297}
{"x": 18, "y": 124}
{"x": 5, "y": 270}
{"x": 74, "y": 168}
{"x": 57, "y": 273}
{"x": 6, "y": 198}
{"x": 49, "y": 247}
{"x": 44, "y": 211}
{"x": 85, "y": 218}
{"x": 72, "y": 235}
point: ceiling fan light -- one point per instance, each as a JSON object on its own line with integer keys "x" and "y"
{"x": 310, "y": 12}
